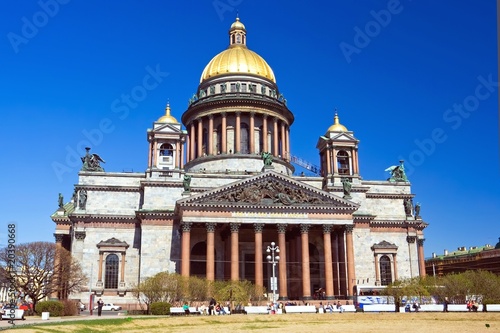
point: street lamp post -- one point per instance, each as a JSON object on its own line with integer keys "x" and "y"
{"x": 273, "y": 259}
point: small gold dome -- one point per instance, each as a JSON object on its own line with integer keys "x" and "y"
{"x": 237, "y": 59}
{"x": 167, "y": 118}
{"x": 237, "y": 25}
{"x": 337, "y": 126}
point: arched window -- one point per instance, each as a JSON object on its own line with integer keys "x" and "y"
{"x": 111, "y": 272}
{"x": 343, "y": 162}
{"x": 166, "y": 149}
{"x": 245, "y": 139}
{"x": 385, "y": 270}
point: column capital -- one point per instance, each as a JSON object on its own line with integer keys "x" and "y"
{"x": 80, "y": 235}
{"x": 211, "y": 227}
{"x": 411, "y": 239}
{"x": 210, "y": 116}
{"x": 237, "y": 113}
{"x": 281, "y": 228}
{"x": 258, "y": 227}
{"x": 223, "y": 114}
{"x": 327, "y": 228}
{"x": 349, "y": 228}
{"x": 264, "y": 115}
{"x": 420, "y": 241}
{"x": 304, "y": 228}
{"x": 186, "y": 226}
{"x": 252, "y": 113}
{"x": 235, "y": 227}
{"x": 59, "y": 238}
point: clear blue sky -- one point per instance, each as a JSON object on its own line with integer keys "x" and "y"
{"x": 414, "y": 80}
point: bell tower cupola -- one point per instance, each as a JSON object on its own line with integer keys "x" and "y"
{"x": 338, "y": 150}
{"x": 237, "y": 34}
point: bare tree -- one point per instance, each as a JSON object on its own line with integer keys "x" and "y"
{"x": 42, "y": 269}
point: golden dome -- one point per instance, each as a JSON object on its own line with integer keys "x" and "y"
{"x": 337, "y": 126}
{"x": 167, "y": 118}
{"x": 237, "y": 59}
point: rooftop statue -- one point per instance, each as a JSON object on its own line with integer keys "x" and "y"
{"x": 347, "y": 185}
{"x": 397, "y": 173}
{"x": 61, "y": 201}
{"x": 187, "y": 183}
{"x": 92, "y": 162}
{"x": 267, "y": 158}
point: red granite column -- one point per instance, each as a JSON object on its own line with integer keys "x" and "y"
{"x": 351, "y": 274}
{"x": 306, "y": 275}
{"x": 283, "y": 285}
{"x": 259, "y": 273}
{"x": 235, "y": 261}
{"x": 251, "y": 133}
{"x": 186, "y": 249}
{"x": 192, "y": 153}
{"x": 211, "y": 251}
{"x": 395, "y": 261}
{"x": 328, "y": 161}
{"x": 421, "y": 259}
{"x": 223, "y": 133}
{"x": 377, "y": 269}
{"x": 210, "y": 139}
{"x": 327, "y": 245}
{"x": 264, "y": 133}
{"x": 283, "y": 140}
{"x": 275, "y": 137}
{"x": 200, "y": 138}
{"x": 237, "y": 139}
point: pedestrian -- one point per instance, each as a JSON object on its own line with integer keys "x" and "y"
{"x": 211, "y": 306}
{"x": 185, "y": 307}
{"x": 445, "y": 304}
{"x": 100, "y": 304}
{"x": 340, "y": 307}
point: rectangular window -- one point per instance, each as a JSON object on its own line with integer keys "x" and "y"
{"x": 244, "y": 87}
{"x": 233, "y": 87}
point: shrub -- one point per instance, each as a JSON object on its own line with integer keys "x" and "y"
{"x": 160, "y": 308}
{"x": 70, "y": 308}
{"x": 55, "y": 308}
{"x": 137, "y": 312}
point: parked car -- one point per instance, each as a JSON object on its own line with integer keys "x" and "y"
{"x": 82, "y": 306}
{"x": 109, "y": 307}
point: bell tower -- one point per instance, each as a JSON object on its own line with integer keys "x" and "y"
{"x": 338, "y": 150}
{"x": 166, "y": 147}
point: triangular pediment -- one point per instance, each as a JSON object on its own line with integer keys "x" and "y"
{"x": 270, "y": 190}
{"x": 342, "y": 137}
{"x": 167, "y": 128}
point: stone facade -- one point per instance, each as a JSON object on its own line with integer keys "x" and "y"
{"x": 207, "y": 198}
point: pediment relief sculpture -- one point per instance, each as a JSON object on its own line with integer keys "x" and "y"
{"x": 269, "y": 192}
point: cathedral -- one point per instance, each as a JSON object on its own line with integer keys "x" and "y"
{"x": 220, "y": 187}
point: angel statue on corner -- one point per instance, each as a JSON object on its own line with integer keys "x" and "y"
{"x": 91, "y": 162}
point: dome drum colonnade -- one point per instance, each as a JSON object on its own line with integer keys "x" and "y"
{"x": 238, "y": 108}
